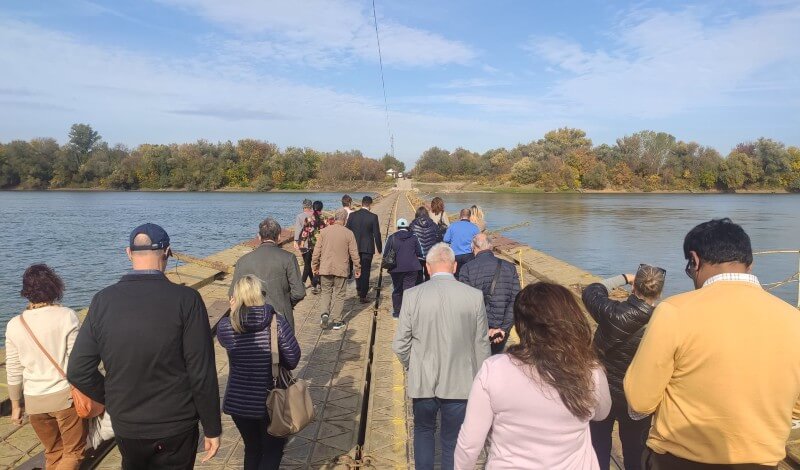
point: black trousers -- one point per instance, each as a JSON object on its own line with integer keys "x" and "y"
{"x": 173, "y": 453}
{"x": 362, "y": 283}
{"x": 655, "y": 461}
{"x": 307, "y": 269}
{"x": 461, "y": 260}
{"x": 261, "y": 451}
{"x": 400, "y": 283}
{"x": 632, "y": 434}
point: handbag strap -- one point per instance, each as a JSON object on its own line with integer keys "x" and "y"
{"x": 496, "y": 276}
{"x": 35, "y": 340}
{"x": 274, "y": 350}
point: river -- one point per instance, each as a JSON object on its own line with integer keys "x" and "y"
{"x": 83, "y": 235}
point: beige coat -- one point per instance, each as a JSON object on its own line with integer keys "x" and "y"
{"x": 336, "y": 245}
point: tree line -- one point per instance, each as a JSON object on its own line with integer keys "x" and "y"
{"x": 86, "y": 161}
{"x": 565, "y": 159}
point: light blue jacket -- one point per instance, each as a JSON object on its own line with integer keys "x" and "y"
{"x": 459, "y": 235}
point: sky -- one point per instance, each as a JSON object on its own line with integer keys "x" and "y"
{"x": 467, "y": 73}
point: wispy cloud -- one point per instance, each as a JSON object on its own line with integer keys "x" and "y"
{"x": 663, "y": 63}
{"x": 231, "y": 114}
{"x": 473, "y": 83}
{"x": 322, "y": 33}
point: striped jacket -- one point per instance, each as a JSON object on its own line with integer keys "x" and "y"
{"x": 250, "y": 360}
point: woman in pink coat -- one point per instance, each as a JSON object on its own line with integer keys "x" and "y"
{"x": 537, "y": 400}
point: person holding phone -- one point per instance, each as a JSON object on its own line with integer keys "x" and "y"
{"x": 620, "y": 326}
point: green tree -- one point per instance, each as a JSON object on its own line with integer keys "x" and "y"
{"x": 391, "y": 163}
{"x": 525, "y": 171}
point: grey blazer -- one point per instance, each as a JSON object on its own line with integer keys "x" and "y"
{"x": 442, "y": 338}
{"x": 281, "y": 275}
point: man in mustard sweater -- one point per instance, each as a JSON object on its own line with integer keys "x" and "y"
{"x": 719, "y": 366}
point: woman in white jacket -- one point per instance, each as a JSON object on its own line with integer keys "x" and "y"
{"x": 48, "y": 401}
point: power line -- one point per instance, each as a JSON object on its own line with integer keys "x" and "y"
{"x": 383, "y": 81}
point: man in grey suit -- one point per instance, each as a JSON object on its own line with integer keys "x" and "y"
{"x": 442, "y": 339}
{"x": 275, "y": 266}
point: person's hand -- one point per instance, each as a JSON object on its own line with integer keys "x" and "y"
{"x": 316, "y": 272}
{"x": 357, "y": 273}
{"x": 211, "y": 446}
{"x": 296, "y": 246}
{"x": 630, "y": 278}
{"x": 494, "y": 331}
{"x": 16, "y": 415}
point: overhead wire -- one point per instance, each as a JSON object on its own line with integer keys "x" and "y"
{"x": 383, "y": 80}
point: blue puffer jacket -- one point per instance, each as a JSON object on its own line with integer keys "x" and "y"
{"x": 479, "y": 274}
{"x": 250, "y": 360}
{"x": 427, "y": 233}
{"x": 408, "y": 251}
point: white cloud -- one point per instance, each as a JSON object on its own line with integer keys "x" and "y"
{"x": 322, "y": 33}
{"x": 665, "y": 63}
{"x": 51, "y": 80}
{"x": 473, "y": 83}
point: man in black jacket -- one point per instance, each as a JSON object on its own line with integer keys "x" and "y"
{"x": 155, "y": 343}
{"x": 620, "y": 326}
{"x": 499, "y": 281}
{"x": 367, "y": 230}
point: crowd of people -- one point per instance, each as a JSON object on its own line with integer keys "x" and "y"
{"x": 705, "y": 379}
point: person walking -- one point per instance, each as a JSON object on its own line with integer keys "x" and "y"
{"x": 439, "y": 216}
{"x": 718, "y": 366}
{"x": 477, "y": 217}
{"x": 308, "y": 240}
{"x": 408, "y": 253}
{"x": 277, "y": 268}
{"x": 499, "y": 282}
{"x": 620, "y": 326}
{"x": 366, "y": 228}
{"x": 442, "y": 340}
{"x": 246, "y": 335}
{"x": 155, "y": 343}
{"x": 347, "y": 204}
{"x": 336, "y": 247}
{"x": 43, "y": 331}
{"x": 535, "y": 402}
{"x": 428, "y": 234}
{"x": 459, "y": 235}
{"x": 300, "y": 222}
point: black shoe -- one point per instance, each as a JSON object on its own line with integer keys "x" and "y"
{"x": 323, "y": 323}
{"x": 363, "y": 300}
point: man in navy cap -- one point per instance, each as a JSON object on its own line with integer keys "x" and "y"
{"x": 155, "y": 343}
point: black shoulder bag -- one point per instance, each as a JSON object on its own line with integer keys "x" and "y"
{"x": 389, "y": 261}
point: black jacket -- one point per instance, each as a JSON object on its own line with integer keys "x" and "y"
{"x": 365, "y": 227}
{"x": 408, "y": 251}
{"x": 479, "y": 273}
{"x": 616, "y": 321}
{"x": 155, "y": 343}
{"x": 427, "y": 232}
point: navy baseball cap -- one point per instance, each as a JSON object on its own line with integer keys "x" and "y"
{"x": 158, "y": 237}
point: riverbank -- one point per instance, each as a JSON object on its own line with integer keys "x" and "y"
{"x": 321, "y": 187}
{"x": 476, "y": 187}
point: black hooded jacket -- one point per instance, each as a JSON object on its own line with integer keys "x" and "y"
{"x": 427, "y": 232}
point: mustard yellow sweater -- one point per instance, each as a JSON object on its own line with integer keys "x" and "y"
{"x": 720, "y": 367}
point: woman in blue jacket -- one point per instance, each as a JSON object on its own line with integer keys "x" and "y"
{"x": 408, "y": 253}
{"x": 245, "y": 334}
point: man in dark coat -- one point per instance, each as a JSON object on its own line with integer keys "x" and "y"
{"x": 499, "y": 281}
{"x": 428, "y": 234}
{"x": 275, "y": 266}
{"x": 365, "y": 227}
{"x": 620, "y": 326}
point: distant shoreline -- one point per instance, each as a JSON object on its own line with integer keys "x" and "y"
{"x": 368, "y": 188}
{"x": 468, "y": 187}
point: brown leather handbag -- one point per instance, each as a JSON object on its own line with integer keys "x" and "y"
{"x": 84, "y": 406}
{"x": 289, "y": 403}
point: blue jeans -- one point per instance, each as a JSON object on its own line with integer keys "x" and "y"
{"x": 452, "y": 416}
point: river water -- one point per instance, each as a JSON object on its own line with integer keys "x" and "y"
{"x": 608, "y": 234}
{"x": 82, "y": 235}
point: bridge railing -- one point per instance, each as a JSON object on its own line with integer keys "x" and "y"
{"x": 793, "y": 278}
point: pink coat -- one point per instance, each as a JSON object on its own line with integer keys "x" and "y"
{"x": 530, "y": 426}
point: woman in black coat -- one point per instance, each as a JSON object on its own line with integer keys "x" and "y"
{"x": 428, "y": 234}
{"x": 408, "y": 254}
{"x": 620, "y": 326}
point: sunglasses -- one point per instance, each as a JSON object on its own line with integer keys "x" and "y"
{"x": 661, "y": 270}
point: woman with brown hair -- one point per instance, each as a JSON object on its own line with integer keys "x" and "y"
{"x": 564, "y": 387}
{"x": 438, "y": 215}
{"x": 48, "y": 400}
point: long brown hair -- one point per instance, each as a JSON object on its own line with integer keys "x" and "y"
{"x": 555, "y": 338}
{"x": 437, "y": 205}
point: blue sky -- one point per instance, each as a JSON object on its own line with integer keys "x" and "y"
{"x": 475, "y": 74}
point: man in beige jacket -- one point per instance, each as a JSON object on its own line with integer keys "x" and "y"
{"x": 336, "y": 247}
